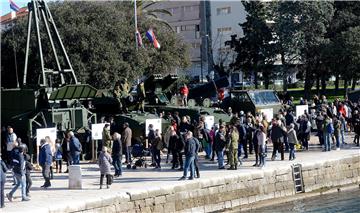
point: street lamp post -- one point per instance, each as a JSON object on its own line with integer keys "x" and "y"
{"x": 204, "y": 47}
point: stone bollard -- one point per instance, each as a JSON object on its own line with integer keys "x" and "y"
{"x": 75, "y": 179}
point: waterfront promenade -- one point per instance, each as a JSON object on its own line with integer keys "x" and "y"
{"x": 59, "y": 198}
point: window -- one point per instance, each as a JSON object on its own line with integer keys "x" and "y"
{"x": 224, "y": 29}
{"x": 197, "y": 34}
{"x": 175, "y": 10}
{"x": 241, "y": 97}
{"x": 188, "y": 27}
{"x": 264, "y": 97}
{"x": 223, "y": 10}
{"x": 197, "y": 27}
{"x": 177, "y": 29}
{"x": 195, "y": 45}
{"x": 188, "y": 8}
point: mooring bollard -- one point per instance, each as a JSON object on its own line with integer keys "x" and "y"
{"x": 75, "y": 178}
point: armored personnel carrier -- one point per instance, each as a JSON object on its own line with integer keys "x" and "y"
{"x": 254, "y": 101}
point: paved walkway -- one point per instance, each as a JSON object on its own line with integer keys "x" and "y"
{"x": 59, "y": 196}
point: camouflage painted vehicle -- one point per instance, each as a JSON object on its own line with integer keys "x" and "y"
{"x": 253, "y": 101}
{"x": 29, "y": 109}
{"x": 158, "y": 101}
{"x": 137, "y": 123}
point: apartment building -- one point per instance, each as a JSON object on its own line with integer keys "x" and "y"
{"x": 186, "y": 21}
{"x": 225, "y": 19}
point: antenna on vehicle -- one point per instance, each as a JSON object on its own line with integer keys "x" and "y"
{"x": 39, "y": 12}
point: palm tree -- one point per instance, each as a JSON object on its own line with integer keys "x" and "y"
{"x": 144, "y": 9}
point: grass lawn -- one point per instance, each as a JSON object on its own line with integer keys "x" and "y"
{"x": 314, "y": 88}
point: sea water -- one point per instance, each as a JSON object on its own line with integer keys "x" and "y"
{"x": 344, "y": 202}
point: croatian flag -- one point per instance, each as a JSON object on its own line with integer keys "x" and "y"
{"x": 13, "y": 6}
{"x": 139, "y": 39}
{"x": 152, "y": 38}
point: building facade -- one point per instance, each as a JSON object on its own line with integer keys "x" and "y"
{"x": 186, "y": 20}
{"x": 225, "y": 19}
{"x": 205, "y": 26}
{"x": 8, "y": 19}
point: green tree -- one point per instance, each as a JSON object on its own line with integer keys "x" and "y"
{"x": 300, "y": 29}
{"x": 254, "y": 50}
{"x": 99, "y": 38}
{"x": 346, "y": 16}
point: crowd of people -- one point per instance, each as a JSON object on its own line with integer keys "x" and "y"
{"x": 231, "y": 143}
{"x": 18, "y": 161}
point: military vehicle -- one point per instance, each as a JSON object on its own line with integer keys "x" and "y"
{"x": 254, "y": 101}
{"x": 57, "y": 99}
{"x": 51, "y": 97}
{"x": 199, "y": 103}
{"x": 208, "y": 90}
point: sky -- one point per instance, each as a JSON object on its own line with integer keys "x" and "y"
{"x": 5, "y": 5}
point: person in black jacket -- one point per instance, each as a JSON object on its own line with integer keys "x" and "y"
{"x": 65, "y": 147}
{"x": 177, "y": 146}
{"x": 117, "y": 154}
{"x": 28, "y": 168}
{"x": 3, "y": 170}
{"x": 277, "y": 137}
{"x": 219, "y": 145}
{"x": 18, "y": 163}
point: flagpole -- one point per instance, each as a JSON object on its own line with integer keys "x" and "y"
{"x": 14, "y": 49}
{"x": 135, "y": 18}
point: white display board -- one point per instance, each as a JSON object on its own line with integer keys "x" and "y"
{"x": 96, "y": 131}
{"x": 300, "y": 109}
{"x": 43, "y": 132}
{"x": 209, "y": 122}
{"x": 269, "y": 112}
{"x": 156, "y": 122}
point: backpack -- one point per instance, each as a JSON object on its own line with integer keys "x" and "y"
{"x": 330, "y": 128}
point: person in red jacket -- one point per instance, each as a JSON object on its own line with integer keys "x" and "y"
{"x": 221, "y": 94}
{"x": 184, "y": 91}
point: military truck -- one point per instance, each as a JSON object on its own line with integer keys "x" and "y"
{"x": 50, "y": 97}
{"x": 254, "y": 101}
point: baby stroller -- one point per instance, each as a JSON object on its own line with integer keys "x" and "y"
{"x": 139, "y": 154}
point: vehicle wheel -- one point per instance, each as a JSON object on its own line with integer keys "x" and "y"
{"x": 134, "y": 167}
{"x": 128, "y": 166}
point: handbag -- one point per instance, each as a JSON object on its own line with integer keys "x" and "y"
{"x": 110, "y": 179}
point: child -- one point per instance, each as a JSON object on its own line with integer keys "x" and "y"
{"x": 105, "y": 162}
{"x": 28, "y": 168}
{"x": 58, "y": 156}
